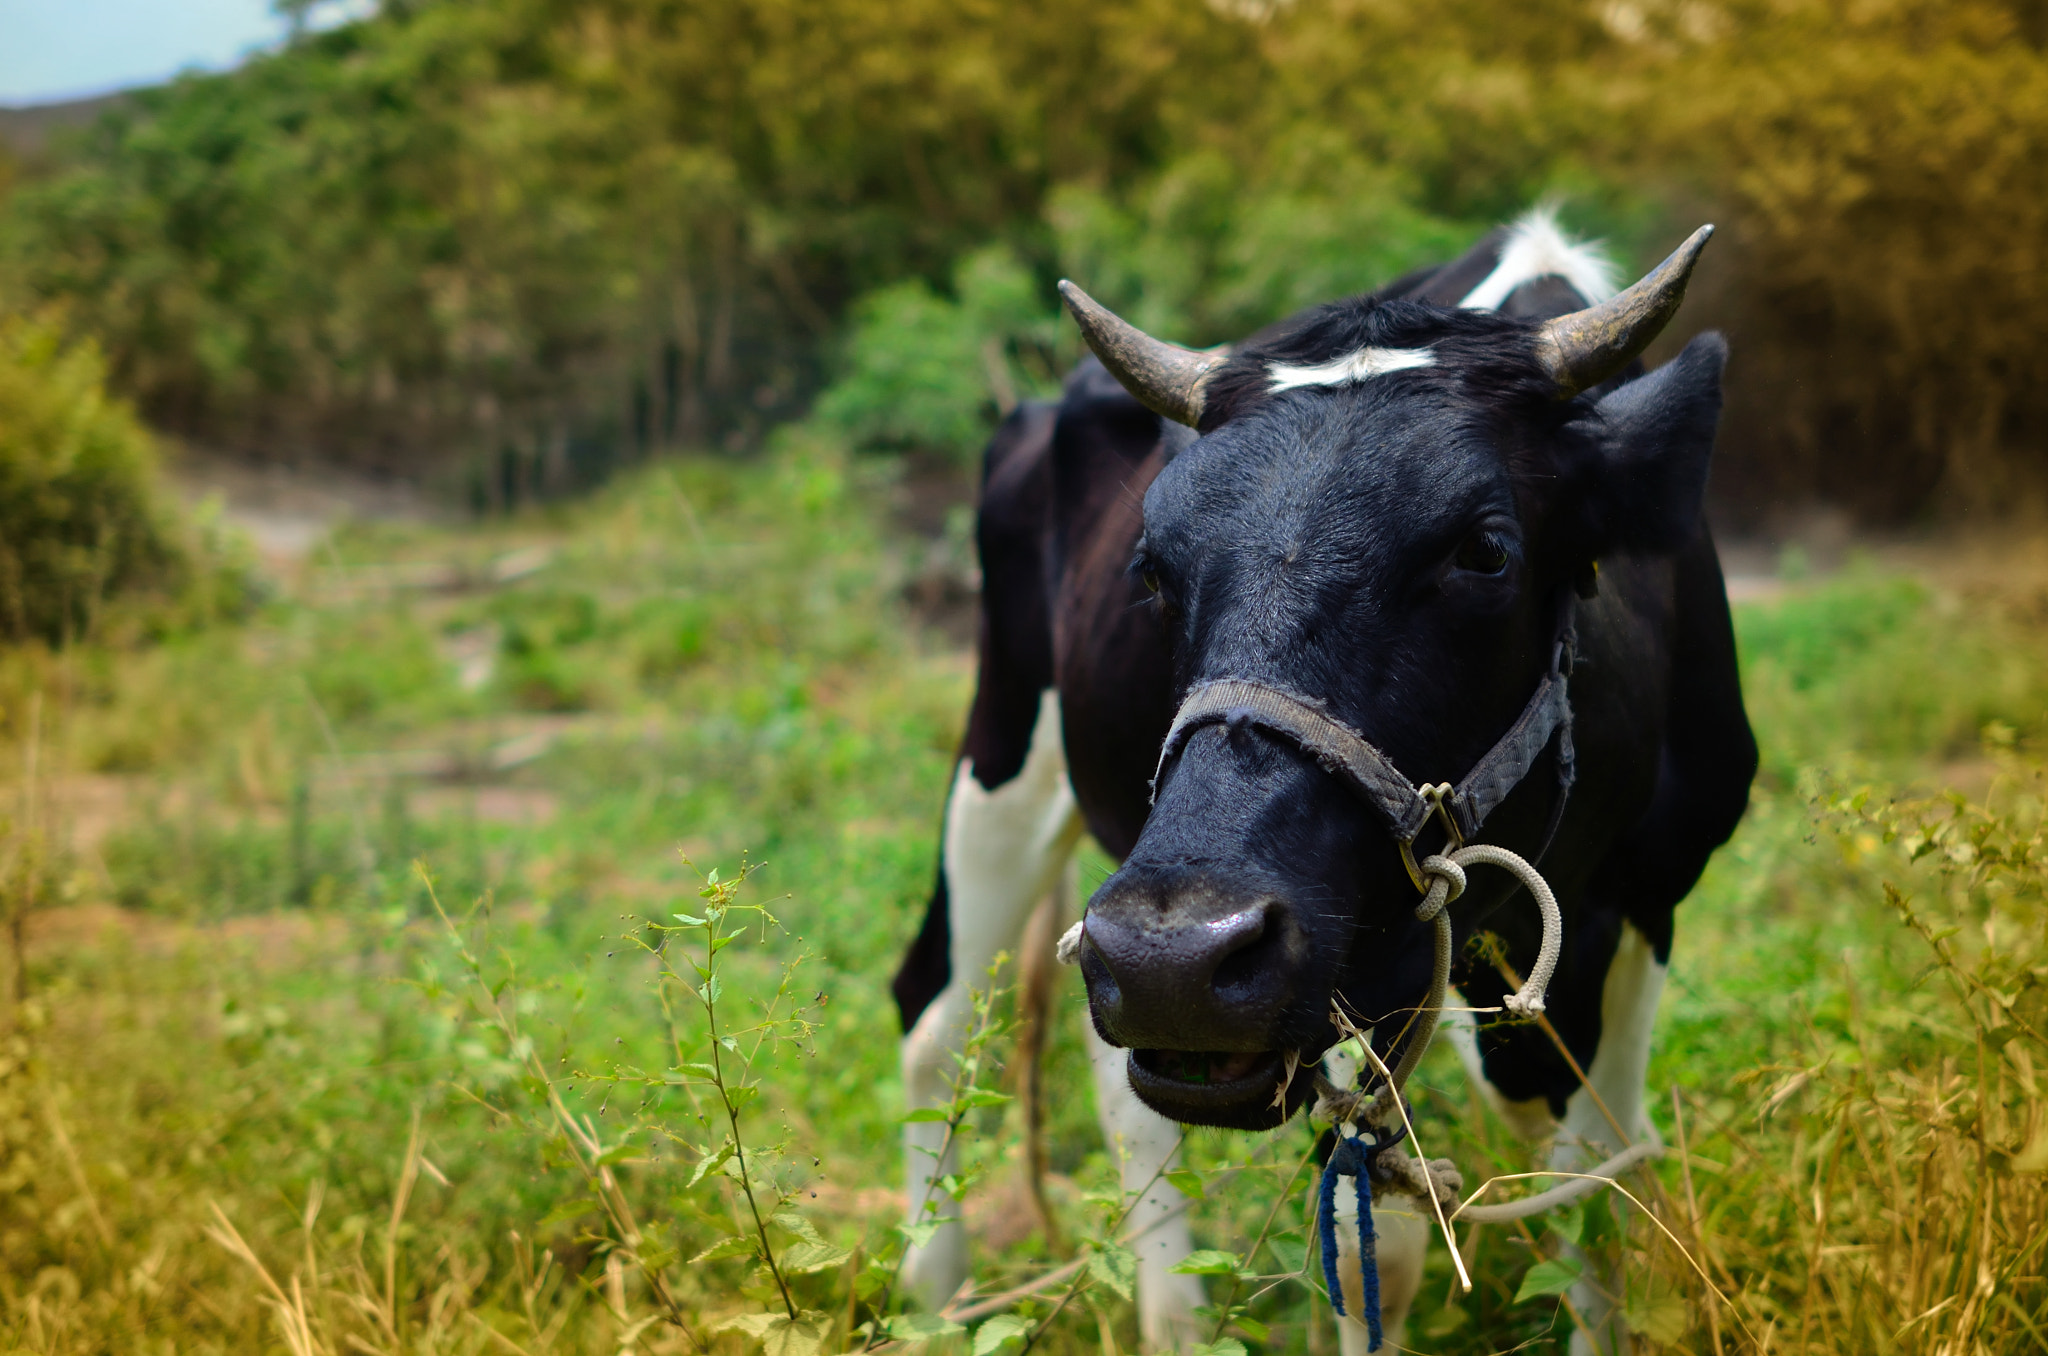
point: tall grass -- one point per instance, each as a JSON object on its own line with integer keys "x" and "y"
{"x": 259, "y": 1097}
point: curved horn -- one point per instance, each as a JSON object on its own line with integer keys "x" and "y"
{"x": 1166, "y": 378}
{"x": 1587, "y": 347}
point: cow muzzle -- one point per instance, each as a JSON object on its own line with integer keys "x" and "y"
{"x": 1197, "y": 982}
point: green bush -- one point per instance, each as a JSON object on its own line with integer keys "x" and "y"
{"x": 1205, "y": 253}
{"x": 79, "y": 519}
{"x": 930, "y": 372}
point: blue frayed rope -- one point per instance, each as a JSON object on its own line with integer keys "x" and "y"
{"x": 1354, "y": 1158}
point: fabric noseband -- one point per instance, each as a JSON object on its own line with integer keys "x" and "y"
{"x": 1346, "y": 753}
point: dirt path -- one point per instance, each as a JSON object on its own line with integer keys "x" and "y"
{"x": 288, "y": 511}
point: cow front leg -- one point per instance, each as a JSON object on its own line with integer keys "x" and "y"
{"x": 1146, "y": 1147}
{"x": 1621, "y": 1062}
{"x": 1003, "y": 850}
{"x": 1401, "y": 1230}
{"x": 1401, "y": 1234}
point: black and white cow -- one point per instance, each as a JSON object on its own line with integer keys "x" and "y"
{"x": 1402, "y": 509}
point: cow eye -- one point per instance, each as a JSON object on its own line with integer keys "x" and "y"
{"x": 1148, "y": 575}
{"x": 1484, "y": 553}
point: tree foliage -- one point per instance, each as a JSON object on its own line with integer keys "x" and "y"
{"x": 554, "y": 234}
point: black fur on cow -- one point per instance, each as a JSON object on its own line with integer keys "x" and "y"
{"x": 1397, "y": 548}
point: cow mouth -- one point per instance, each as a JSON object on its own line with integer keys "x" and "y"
{"x": 1206, "y": 1068}
{"x": 1237, "y": 1089}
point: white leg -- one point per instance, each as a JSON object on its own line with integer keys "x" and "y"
{"x": 1003, "y": 851}
{"x": 1401, "y": 1231}
{"x": 1144, "y": 1143}
{"x": 1628, "y": 1010}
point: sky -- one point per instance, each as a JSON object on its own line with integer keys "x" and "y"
{"x": 68, "y": 49}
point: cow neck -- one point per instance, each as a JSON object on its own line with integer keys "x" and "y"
{"x": 1405, "y": 806}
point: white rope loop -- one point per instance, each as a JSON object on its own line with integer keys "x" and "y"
{"x": 1528, "y": 1000}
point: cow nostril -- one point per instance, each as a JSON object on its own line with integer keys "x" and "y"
{"x": 1245, "y": 950}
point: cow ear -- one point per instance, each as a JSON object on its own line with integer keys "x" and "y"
{"x": 1652, "y": 441}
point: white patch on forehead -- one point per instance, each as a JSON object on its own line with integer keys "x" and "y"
{"x": 1536, "y": 248}
{"x": 1363, "y": 365}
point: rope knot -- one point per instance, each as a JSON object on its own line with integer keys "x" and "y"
{"x": 1446, "y": 883}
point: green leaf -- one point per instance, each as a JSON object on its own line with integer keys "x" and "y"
{"x": 804, "y": 1258}
{"x": 798, "y": 1225}
{"x": 1548, "y": 1278}
{"x": 1229, "y": 1346}
{"x": 920, "y": 1327}
{"x": 1253, "y": 1329}
{"x": 801, "y": 1338}
{"x": 656, "y": 1257}
{"x": 921, "y": 1233}
{"x": 998, "y": 1330}
{"x": 711, "y": 1163}
{"x": 1662, "y": 1320}
{"x": 1185, "y": 1182}
{"x": 980, "y": 1097}
{"x": 1206, "y": 1262}
{"x": 780, "y": 1335}
{"x": 737, "y": 1245}
{"x": 1569, "y": 1223}
{"x": 1291, "y": 1254}
{"x": 616, "y": 1154}
{"x": 925, "y": 1113}
{"x": 569, "y": 1210}
{"x": 1116, "y": 1267}
{"x": 688, "y": 920}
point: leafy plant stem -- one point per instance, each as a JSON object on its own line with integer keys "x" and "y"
{"x": 732, "y": 1118}
{"x": 957, "y": 1108}
{"x": 1286, "y": 1195}
{"x": 585, "y": 1148}
{"x": 1080, "y": 1280}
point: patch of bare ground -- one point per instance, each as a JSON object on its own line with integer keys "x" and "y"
{"x": 271, "y": 940}
{"x": 287, "y": 509}
{"x": 524, "y": 806}
{"x": 1805, "y": 546}
{"x": 1971, "y": 777}
{"x": 999, "y": 1216}
{"x": 932, "y": 504}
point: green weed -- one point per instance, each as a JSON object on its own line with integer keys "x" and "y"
{"x": 257, "y": 1096}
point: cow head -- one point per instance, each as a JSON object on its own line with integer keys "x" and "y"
{"x": 1384, "y": 507}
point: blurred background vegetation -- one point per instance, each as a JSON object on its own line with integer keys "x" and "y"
{"x": 702, "y": 309}
{"x": 504, "y": 246}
